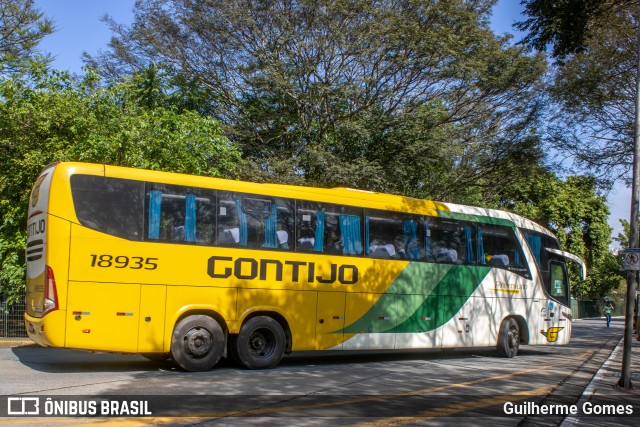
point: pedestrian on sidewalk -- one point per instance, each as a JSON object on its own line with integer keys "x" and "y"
{"x": 608, "y": 309}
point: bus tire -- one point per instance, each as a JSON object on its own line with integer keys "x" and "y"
{"x": 261, "y": 343}
{"x": 197, "y": 343}
{"x": 508, "y": 338}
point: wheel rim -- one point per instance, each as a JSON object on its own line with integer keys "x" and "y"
{"x": 513, "y": 339}
{"x": 198, "y": 342}
{"x": 262, "y": 343}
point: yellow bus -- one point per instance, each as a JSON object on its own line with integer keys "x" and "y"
{"x": 197, "y": 268}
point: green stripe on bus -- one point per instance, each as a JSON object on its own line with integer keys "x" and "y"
{"x": 453, "y": 291}
{"x": 414, "y": 292}
{"x": 475, "y": 218}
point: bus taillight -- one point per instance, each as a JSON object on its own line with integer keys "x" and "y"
{"x": 50, "y": 292}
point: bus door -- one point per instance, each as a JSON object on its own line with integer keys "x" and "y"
{"x": 330, "y": 320}
{"x": 556, "y": 318}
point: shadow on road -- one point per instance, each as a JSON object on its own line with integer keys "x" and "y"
{"x": 59, "y": 360}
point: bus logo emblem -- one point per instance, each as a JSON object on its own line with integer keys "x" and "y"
{"x": 35, "y": 194}
{"x": 552, "y": 333}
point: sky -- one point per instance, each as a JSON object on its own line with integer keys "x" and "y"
{"x": 79, "y": 29}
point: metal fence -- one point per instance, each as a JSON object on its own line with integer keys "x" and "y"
{"x": 12, "y": 321}
{"x": 586, "y": 309}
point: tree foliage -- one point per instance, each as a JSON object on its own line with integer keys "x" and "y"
{"x": 564, "y": 25}
{"x": 577, "y": 214}
{"x": 595, "y": 42}
{"x": 22, "y": 26}
{"x": 415, "y": 97}
{"x": 595, "y": 45}
{"x": 51, "y": 117}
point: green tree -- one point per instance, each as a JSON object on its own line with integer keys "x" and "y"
{"x": 564, "y": 25}
{"x": 417, "y": 97}
{"x": 53, "y": 117}
{"x": 574, "y": 211}
{"x": 595, "y": 45}
{"x": 22, "y": 27}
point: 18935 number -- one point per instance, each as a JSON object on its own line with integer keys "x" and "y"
{"x": 123, "y": 261}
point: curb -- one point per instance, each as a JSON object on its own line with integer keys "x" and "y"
{"x": 589, "y": 391}
{"x": 572, "y": 388}
{"x": 15, "y": 342}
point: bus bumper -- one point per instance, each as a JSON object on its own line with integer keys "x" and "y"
{"x": 47, "y": 331}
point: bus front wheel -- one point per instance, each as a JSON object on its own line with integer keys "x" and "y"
{"x": 260, "y": 343}
{"x": 508, "y": 338}
{"x": 197, "y": 343}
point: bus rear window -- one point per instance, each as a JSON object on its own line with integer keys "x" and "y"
{"x": 109, "y": 205}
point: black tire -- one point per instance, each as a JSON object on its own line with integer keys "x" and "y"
{"x": 260, "y": 343}
{"x": 508, "y": 338}
{"x": 157, "y": 357}
{"x": 197, "y": 343}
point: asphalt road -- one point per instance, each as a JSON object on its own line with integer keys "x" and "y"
{"x": 465, "y": 387}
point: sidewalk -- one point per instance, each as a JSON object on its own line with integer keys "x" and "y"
{"x": 602, "y": 393}
{"x": 15, "y": 342}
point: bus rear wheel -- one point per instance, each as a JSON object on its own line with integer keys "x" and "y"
{"x": 260, "y": 343}
{"x": 197, "y": 343}
{"x": 508, "y": 338}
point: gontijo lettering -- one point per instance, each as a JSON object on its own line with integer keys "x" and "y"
{"x": 222, "y": 267}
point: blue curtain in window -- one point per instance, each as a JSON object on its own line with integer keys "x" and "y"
{"x": 410, "y": 228}
{"x": 351, "y": 234}
{"x": 318, "y": 243}
{"x": 190, "y": 219}
{"x": 271, "y": 228}
{"x": 242, "y": 217}
{"x": 469, "y": 238}
{"x": 155, "y": 202}
{"x": 366, "y": 235}
{"x": 535, "y": 243}
{"x": 481, "y": 259}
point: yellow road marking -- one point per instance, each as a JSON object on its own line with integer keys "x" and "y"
{"x": 434, "y": 413}
{"x": 458, "y": 408}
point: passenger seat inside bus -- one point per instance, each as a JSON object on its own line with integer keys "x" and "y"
{"x": 385, "y": 251}
{"x": 500, "y": 260}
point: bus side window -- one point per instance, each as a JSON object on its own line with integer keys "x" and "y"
{"x": 283, "y": 224}
{"x": 180, "y": 214}
{"x": 498, "y": 247}
{"x": 450, "y": 241}
{"x": 310, "y": 225}
{"x": 109, "y": 205}
{"x": 232, "y": 221}
{"x": 392, "y": 236}
{"x": 329, "y": 229}
{"x": 255, "y": 221}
